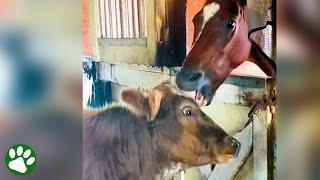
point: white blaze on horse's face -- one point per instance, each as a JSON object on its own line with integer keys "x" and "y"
{"x": 209, "y": 11}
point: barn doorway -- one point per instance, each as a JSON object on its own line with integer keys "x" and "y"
{"x": 171, "y": 50}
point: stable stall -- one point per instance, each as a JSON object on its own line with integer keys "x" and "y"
{"x": 140, "y": 43}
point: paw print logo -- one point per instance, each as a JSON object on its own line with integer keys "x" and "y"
{"x": 20, "y": 159}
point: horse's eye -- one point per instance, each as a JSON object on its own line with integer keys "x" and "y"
{"x": 231, "y": 24}
{"x": 187, "y": 111}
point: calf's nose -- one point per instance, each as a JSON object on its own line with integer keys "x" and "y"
{"x": 236, "y": 147}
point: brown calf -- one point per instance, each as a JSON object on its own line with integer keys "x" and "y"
{"x": 166, "y": 133}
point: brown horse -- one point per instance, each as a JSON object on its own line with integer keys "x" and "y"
{"x": 220, "y": 45}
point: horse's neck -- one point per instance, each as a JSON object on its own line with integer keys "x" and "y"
{"x": 262, "y": 60}
{"x": 258, "y": 57}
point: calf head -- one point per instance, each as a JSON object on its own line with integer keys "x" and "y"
{"x": 181, "y": 131}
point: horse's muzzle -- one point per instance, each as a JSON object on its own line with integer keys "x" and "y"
{"x": 195, "y": 81}
{"x": 189, "y": 81}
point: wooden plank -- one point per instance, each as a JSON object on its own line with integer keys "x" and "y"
{"x": 129, "y": 76}
{"x": 124, "y": 42}
{"x": 245, "y": 95}
{"x": 260, "y": 148}
{"x": 205, "y": 171}
{"x": 177, "y": 176}
{"x": 229, "y": 170}
{"x": 104, "y": 67}
{"x": 246, "y": 170}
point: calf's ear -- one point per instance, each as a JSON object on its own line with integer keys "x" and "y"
{"x": 135, "y": 99}
{"x": 154, "y": 100}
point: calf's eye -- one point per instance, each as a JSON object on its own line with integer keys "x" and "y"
{"x": 187, "y": 111}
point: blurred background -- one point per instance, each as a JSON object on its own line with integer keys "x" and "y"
{"x": 298, "y": 35}
{"x": 41, "y": 58}
{"x": 40, "y": 91}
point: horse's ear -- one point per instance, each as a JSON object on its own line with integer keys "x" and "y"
{"x": 136, "y": 100}
{"x": 242, "y": 2}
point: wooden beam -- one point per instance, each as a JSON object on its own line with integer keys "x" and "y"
{"x": 125, "y": 42}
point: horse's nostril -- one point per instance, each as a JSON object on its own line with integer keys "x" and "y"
{"x": 191, "y": 80}
{"x": 194, "y": 76}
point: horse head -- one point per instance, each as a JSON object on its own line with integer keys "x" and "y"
{"x": 220, "y": 45}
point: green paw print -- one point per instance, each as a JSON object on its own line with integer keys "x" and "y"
{"x": 20, "y": 159}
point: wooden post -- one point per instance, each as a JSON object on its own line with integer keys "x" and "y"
{"x": 260, "y": 146}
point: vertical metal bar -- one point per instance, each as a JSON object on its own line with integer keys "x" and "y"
{"x": 143, "y": 18}
{"x": 136, "y": 18}
{"x": 102, "y": 17}
{"x": 110, "y": 18}
{"x": 118, "y": 17}
{"x": 107, "y": 17}
{"x": 125, "y": 18}
{"x": 130, "y": 17}
{"x": 141, "y": 11}
{"x": 114, "y": 18}
{"x": 97, "y": 18}
{"x": 139, "y": 16}
{"x": 122, "y": 19}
